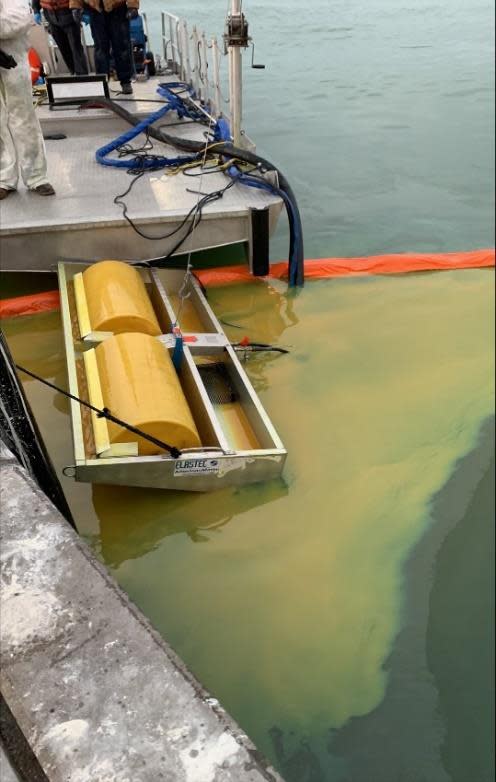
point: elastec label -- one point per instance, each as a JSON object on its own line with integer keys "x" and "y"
{"x": 196, "y": 467}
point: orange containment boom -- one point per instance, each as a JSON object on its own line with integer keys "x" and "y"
{"x": 48, "y": 301}
{"x": 322, "y": 268}
{"x": 317, "y": 269}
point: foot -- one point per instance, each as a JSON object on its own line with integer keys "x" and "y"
{"x": 5, "y": 191}
{"x": 127, "y": 88}
{"x": 44, "y": 190}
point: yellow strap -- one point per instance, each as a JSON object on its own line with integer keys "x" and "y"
{"x": 81, "y": 305}
{"x": 103, "y": 448}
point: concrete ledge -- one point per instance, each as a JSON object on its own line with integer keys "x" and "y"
{"x": 6, "y": 456}
{"x": 94, "y": 689}
{"x": 7, "y": 773}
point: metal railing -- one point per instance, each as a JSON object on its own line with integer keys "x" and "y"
{"x": 192, "y": 56}
{"x": 170, "y": 42}
{"x": 195, "y": 59}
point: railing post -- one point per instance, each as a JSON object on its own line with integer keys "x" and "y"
{"x": 186, "y": 53}
{"x": 174, "y": 45}
{"x": 164, "y": 43}
{"x": 195, "y": 68}
{"x": 217, "y": 107}
{"x": 197, "y": 85}
{"x": 204, "y": 65}
{"x": 180, "y": 70}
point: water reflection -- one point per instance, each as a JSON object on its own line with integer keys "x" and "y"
{"x": 133, "y": 522}
{"x": 274, "y": 308}
{"x": 37, "y": 343}
{"x": 258, "y": 366}
{"x": 275, "y": 313}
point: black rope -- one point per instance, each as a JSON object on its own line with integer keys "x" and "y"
{"x": 195, "y": 215}
{"x": 228, "y": 150}
{"x": 227, "y": 323}
{"x": 258, "y": 347}
{"x": 105, "y": 413}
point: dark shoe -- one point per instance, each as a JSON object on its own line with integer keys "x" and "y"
{"x": 44, "y": 190}
{"x": 126, "y": 89}
{"x": 5, "y": 191}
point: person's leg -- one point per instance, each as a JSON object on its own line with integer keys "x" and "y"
{"x": 8, "y": 158}
{"x": 118, "y": 25}
{"x": 101, "y": 40}
{"x": 23, "y": 123}
{"x": 73, "y": 34}
{"x": 59, "y": 36}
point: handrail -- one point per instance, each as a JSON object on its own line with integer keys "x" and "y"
{"x": 185, "y": 48}
{"x": 175, "y": 60}
{"x": 217, "y": 100}
{"x": 196, "y": 70}
{"x": 195, "y": 59}
{"x": 204, "y": 69}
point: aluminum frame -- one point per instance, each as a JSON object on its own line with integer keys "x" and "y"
{"x": 204, "y": 469}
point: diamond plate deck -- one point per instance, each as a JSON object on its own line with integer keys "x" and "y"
{"x": 82, "y": 220}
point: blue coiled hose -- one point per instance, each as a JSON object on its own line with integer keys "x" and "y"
{"x": 173, "y": 103}
{"x": 223, "y": 138}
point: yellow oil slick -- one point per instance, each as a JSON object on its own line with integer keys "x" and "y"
{"x": 393, "y": 380}
{"x": 285, "y": 598}
{"x": 385, "y": 388}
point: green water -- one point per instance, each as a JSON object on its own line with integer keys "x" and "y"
{"x": 343, "y": 613}
{"x": 380, "y": 113}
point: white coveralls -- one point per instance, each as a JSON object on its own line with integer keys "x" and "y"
{"x": 21, "y": 140}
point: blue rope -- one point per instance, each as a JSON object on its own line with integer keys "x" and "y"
{"x": 222, "y": 131}
{"x": 151, "y": 162}
{"x": 143, "y": 162}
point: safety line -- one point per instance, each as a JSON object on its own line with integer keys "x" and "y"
{"x": 105, "y": 413}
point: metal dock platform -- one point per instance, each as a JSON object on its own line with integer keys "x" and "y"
{"x": 83, "y": 222}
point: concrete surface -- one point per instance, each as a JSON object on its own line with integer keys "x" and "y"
{"x": 7, "y": 773}
{"x": 94, "y": 689}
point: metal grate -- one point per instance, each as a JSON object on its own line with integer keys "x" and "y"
{"x": 218, "y": 384}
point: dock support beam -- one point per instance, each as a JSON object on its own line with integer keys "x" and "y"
{"x": 259, "y": 242}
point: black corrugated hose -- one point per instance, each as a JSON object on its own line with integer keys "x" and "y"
{"x": 228, "y": 149}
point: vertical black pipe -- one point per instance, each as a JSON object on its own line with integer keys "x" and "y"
{"x": 259, "y": 241}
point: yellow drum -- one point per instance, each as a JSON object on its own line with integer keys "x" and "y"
{"x": 140, "y": 386}
{"x": 117, "y": 300}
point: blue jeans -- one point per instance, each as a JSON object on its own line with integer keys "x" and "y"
{"x": 110, "y": 30}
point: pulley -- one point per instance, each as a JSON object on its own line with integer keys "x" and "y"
{"x": 236, "y": 32}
